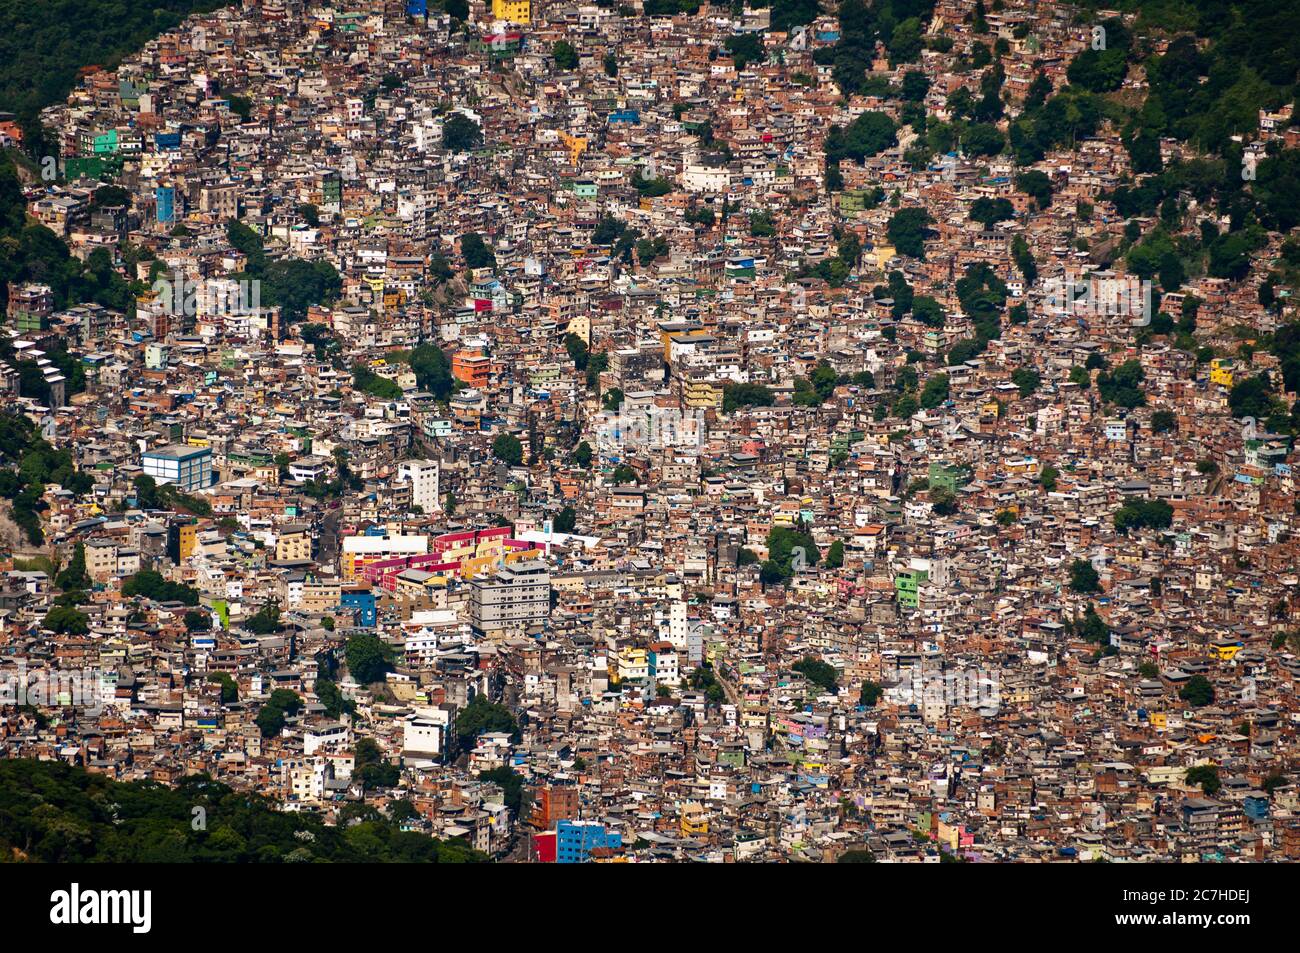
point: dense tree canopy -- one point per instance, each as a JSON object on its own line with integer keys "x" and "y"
{"x": 54, "y": 813}
{"x": 460, "y": 133}
{"x": 907, "y": 231}
{"x": 868, "y": 135}
{"x": 151, "y": 584}
{"x": 480, "y": 716}
{"x": 818, "y": 672}
{"x": 369, "y": 657}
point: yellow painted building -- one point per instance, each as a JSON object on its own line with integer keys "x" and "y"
{"x": 1225, "y": 651}
{"x": 186, "y": 535}
{"x": 523, "y": 555}
{"x": 702, "y": 394}
{"x": 513, "y": 11}
{"x": 293, "y": 545}
{"x": 575, "y": 144}
{"x": 695, "y": 820}
{"x": 470, "y": 568}
{"x": 882, "y": 254}
{"x": 1221, "y": 372}
{"x": 580, "y": 324}
{"x": 630, "y": 663}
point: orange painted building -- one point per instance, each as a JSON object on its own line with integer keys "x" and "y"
{"x": 471, "y": 368}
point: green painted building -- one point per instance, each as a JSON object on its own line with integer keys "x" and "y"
{"x": 906, "y": 585}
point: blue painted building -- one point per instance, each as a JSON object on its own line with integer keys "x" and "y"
{"x": 165, "y": 196}
{"x": 362, "y": 600}
{"x": 575, "y": 840}
{"x": 1256, "y": 806}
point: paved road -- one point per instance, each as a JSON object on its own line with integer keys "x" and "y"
{"x": 329, "y": 538}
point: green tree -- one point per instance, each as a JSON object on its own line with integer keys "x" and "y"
{"x": 511, "y": 784}
{"x": 1143, "y": 514}
{"x": 856, "y": 857}
{"x": 266, "y": 620}
{"x": 74, "y": 576}
{"x": 746, "y": 395}
{"x": 151, "y": 585}
{"x": 481, "y": 716}
{"x": 507, "y": 448}
{"x": 907, "y": 231}
{"x": 229, "y": 689}
{"x": 1026, "y": 380}
{"x": 745, "y": 48}
{"x": 565, "y": 56}
{"x": 790, "y": 549}
{"x": 296, "y": 285}
{"x": 197, "y": 621}
{"x": 870, "y": 694}
{"x": 914, "y": 86}
{"x": 285, "y": 700}
{"x": 566, "y": 520}
{"x": 270, "y": 721}
{"x": 152, "y": 823}
{"x": 1094, "y": 628}
{"x": 65, "y": 620}
{"x": 943, "y": 501}
{"x": 818, "y": 672}
{"x": 1037, "y": 185}
{"x": 935, "y": 391}
{"x": 477, "y": 253}
{"x": 835, "y": 555}
{"x": 1251, "y": 397}
{"x": 989, "y": 212}
{"x": 1084, "y": 577}
{"x": 460, "y": 133}
{"x": 369, "y": 657}
{"x": 983, "y": 139}
{"x": 1123, "y": 385}
{"x": 868, "y": 135}
{"x": 432, "y": 370}
{"x": 761, "y": 224}
{"x": 372, "y": 769}
{"x": 1207, "y": 776}
{"x": 1198, "y": 692}
{"x": 329, "y": 695}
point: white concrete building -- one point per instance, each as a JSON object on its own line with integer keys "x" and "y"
{"x": 422, "y": 475}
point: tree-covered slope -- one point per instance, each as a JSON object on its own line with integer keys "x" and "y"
{"x": 54, "y": 813}
{"x": 44, "y": 42}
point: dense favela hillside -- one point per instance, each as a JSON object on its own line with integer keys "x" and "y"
{"x": 659, "y": 432}
{"x": 54, "y": 813}
{"x": 44, "y": 43}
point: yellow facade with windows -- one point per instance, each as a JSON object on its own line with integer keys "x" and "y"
{"x": 702, "y": 394}
{"x": 513, "y": 11}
